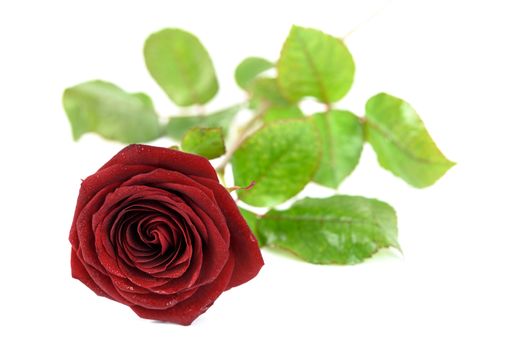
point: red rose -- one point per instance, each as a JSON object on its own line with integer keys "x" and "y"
{"x": 153, "y": 229}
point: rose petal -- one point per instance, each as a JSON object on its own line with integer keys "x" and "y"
{"x": 79, "y": 272}
{"x": 243, "y": 243}
{"x": 103, "y": 282}
{"x": 84, "y": 232}
{"x": 187, "y": 311}
{"x": 96, "y": 182}
{"x": 154, "y": 300}
{"x": 216, "y": 250}
{"x": 193, "y": 190}
{"x": 91, "y": 196}
{"x": 114, "y": 208}
{"x": 159, "y": 157}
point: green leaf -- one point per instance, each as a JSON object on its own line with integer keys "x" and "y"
{"x": 266, "y": 95}
{"x": 281, "y": 158}
{"x": 402, "y": 143}
{"x": 104, "y": 108}
{"x": 252, "y": 220}
{"x": 342, "y": 140}
{"x": 334, "y": 230}
{"x": 181, "y": 65}
{"x": 207, "y": 142}
{"x": 178, "y": 126}
{"x": 249, "y": 69}
{"x": 314, "y": 64}
{"x": 265, "y": 91}
{"x": 275, "y": 113}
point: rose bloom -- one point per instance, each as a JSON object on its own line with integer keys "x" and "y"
{"x": 155, "y": 230}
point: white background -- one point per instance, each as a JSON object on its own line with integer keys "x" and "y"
{"x": 458, "y": 284}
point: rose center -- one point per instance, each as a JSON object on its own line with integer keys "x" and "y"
{"x": 160, "y": 236}
{"x": 152, "y": 239}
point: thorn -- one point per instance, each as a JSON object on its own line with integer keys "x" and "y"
{"x": 247, "y": 188}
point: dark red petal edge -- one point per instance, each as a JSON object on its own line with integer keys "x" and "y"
{"x": 186, "y": 312}
{"x": 160, "y": 157}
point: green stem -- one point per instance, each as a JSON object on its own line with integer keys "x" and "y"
{"x": 368, "y": 19}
